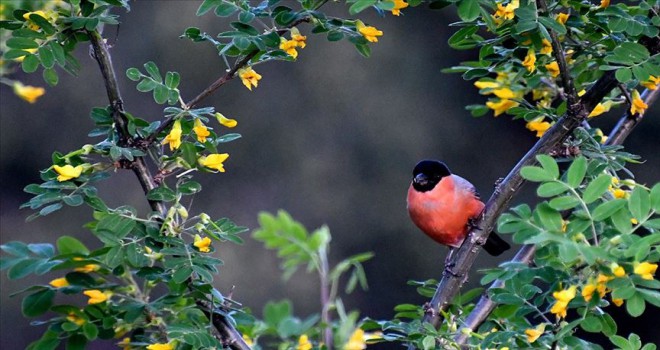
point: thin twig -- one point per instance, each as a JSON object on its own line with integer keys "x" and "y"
{"x": 229, "y": 75}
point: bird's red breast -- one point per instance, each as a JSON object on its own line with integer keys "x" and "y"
{"x": 443, "y": 212}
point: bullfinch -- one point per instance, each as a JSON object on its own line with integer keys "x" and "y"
{"x": 443, "y": 206}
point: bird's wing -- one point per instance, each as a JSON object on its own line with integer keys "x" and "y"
{"x": 465, "y": 185}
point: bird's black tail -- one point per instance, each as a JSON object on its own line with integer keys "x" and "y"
{"x": 495, "y": 245}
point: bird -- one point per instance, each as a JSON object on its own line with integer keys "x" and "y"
{"x": 444, "y": 205}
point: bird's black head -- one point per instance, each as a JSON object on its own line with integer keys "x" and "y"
{"x": 428, "y": 173}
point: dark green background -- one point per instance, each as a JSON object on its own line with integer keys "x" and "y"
{"x": 332, "y": 138}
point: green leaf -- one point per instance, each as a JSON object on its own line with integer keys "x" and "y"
{"x": 621, "y": 220}
{"x": 38, "y": 303}
{"x": 133, "y": 74}
{"x": 468, "y": 10}
{"x": 161, "y": 94}
{"x": 206, "y": 6}
{"x": 551, "y": 189}
{"x": 564, "y": 202}
{"x": 550, "y": 218}
{"x": 30, "y": 63}
{"x": 535, "y": 174}
{"x": 576, "y": 172}
{"x": 655, "y": 197}
{"x": 607, "y": 209}
{"x": 225, "y": 9}
{"x": 639, "y": 203}
{"x": 623, "y": 74}
{"x": 621, "y": 342}
{"x": 549, "y": 164}
{"x": 635, "y": 305}
{"x": 46, "y": 57}
{"x": 146, "y": 85}
{"x": 363, "y": 49}
{"x": 70, "y": 245}
{"x": 591, "y": 324}
{"x": 182, "y": 274}
{"x": 22, "y": 43}
{"x": 50, "y": 76}
{"x": 115, "y": 225}
{"x": 172, "y": 80}
{"x": 360, "y": 5}
{"x": 153, "y": 71}
{"x": 58, "y": 52}
{"x": 90, "y": 331}
{"x": 596, "y": 188}
{"x": 161, "y": 193}
{"x": 189, "y": 187}
{"x": 551, "y": 23}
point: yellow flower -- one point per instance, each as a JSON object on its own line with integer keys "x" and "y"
{"x": 67, "y": 172}
{"x": 298, "y": 38}
{"x": 368, "y": 32}
{"x": 600, "y": 109}
{"x": 125, "y": 343}
{"x": 59, "y": 282}
{"x": 304, "y": 343}
{"x": 398, "y": 5}
{"x": 248, "y": 341}
{"x": 249, "y": 77}
{"x": 359, "y": 339}
{"x": 202, "y": 244}
{"x": 604, "y": 3}
{"x": 553, "y": 68}
{"x": 174, "y": 137}
{"x": 646, "y": 270}
{"x": 201, "y": 130}
{"x": 535, "y": 333}
{"x": 161, "y": 346}
{"x": 214, "y": 161}
{"x": 617, "y": 270}
{"x": 588, "y": 290}
{"x": 617, "y": 302}
{"x": 547, "y": 47}
{"x": 638, "y": 106}
{"x": 504, "y": 93}
{"x": 289, "y": 46}
{"x": 530, "y": 61}
{"x": 96, "y": 296}
{"x": 230, "y": 123}
{"x": 27, "y": 92}
{"x": 486, "y": 84}
{"x": 539, "y": 126}
{"x": 501, "y": 106}
{"x": 602, "y": 136}
{"x": 652, "y": 83}
{"x": 562, "y": 17}
{"x": 563, "y": 297}
{"x": 74, "y": 318}
{"x": 87, "y": 268}
{"x": 504, "y": 13}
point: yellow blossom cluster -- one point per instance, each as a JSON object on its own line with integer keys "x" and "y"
{"x": 652, "y": 83}
{"x": 398, "y": 5}
{"x": 637, "y": 105}
{"x": 368, "y": 32}
{"x": 290, "y": 46}
{"x": 304, "y": 343}
{"x": 534, "y": 333}
{"x": 202, "y": 244}
{"x": 504, "y": 13}
{"x": 27, "y": 92}
{"x": 249, "y": 77}
{"x": 360, "y": 338}
{"x": 562, "y": 297}
{"x": 539, "y": 125}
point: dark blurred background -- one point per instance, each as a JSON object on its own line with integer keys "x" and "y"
{"x": 331, "y": 138}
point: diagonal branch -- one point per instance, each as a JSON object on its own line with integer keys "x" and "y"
{"x": 486, "y": 305}
{"x": 465, "y": 256}
{"x": 228, "y": 334}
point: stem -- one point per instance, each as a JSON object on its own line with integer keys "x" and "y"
{"x": 325, "y": 298}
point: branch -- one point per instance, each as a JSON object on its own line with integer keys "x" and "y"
{"x": 485, "y": 305}
{"x": 465, "y": 256}
{"x": 228, "y": 334}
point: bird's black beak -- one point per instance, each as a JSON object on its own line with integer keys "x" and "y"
{"x": 421, "y": 180}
